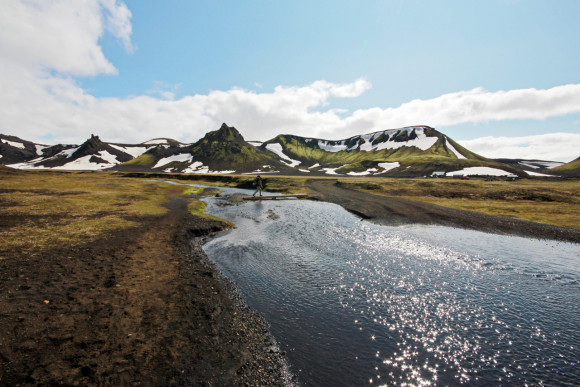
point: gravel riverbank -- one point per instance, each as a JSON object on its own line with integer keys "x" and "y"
{"x": 144, "y": 306}
{"x": 398, "y": 211}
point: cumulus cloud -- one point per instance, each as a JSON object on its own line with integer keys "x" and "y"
{"x": 62, "y": 35}
{"x": 551, "y": 147}
{"x": 479, "y": 105}
{"x": 45, "y": 44}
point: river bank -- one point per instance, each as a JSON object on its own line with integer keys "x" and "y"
{"x": 143, "y": 305}
{"x": 395, "y": 211}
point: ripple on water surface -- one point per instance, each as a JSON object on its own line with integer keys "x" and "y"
{"x": 354, "y": 303}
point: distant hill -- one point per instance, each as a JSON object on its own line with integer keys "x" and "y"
{"x": 411, "y": 151}
{"x": 221, "y": 151}
{"x": 405, "y": 152}
{"x": 15, "y": 150}
{"x": 571, "y": 169}
{"x": 226, "y": 150}
{"x": 533, "y": 167}
{"x": 93, "y": 154}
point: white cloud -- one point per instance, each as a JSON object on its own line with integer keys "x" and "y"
{"x": 551, "y": 147}
{"x": 118, "y": 21}
{"x": 62, "y": 35}
{"x": 44, "y": 44}
{"x": 477, "y": 105}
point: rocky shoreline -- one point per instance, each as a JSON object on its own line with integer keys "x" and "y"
{"x": 144, "y": 306}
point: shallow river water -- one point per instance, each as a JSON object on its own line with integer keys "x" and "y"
{"x": 353, "y": 303}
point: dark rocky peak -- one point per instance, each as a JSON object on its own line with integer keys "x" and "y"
{"x": 224, "y": 134}
{"x": 94, "y": 141}
{"x": 91, "y": 146}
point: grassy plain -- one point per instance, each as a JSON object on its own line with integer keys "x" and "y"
{"x": 40, "y": 210}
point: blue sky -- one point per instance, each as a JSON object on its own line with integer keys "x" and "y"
{"x": 501, "y": 77}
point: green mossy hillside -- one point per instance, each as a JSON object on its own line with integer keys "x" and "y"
{"x": 413, "y": 160}
{"x": 226, "y": 149}
{"x": 571, "y": 169}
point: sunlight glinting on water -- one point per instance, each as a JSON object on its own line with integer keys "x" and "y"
{"x": 402, "y": 306}
{"x": 417, "y": 320}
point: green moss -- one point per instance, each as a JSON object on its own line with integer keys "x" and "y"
{"x": 145, "y": 160}
{"x": 193, "y": 190}
{"x": 571, "y": 169}
{"x": 197, "y": 208}
{"x": 437, "y": 157}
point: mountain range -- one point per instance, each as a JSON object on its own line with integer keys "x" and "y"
{"x": 405, "y": 152}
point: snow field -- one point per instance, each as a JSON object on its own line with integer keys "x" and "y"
{"x": 277, "y": 149}
{"x": 181, "y": 157}
{"x": 452, "y": 149}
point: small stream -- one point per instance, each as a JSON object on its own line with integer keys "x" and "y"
{"x": 353, "y": 303}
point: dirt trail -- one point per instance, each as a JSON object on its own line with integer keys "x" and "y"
{"x": 399, "y": 211}
{"x": 143, "y": 306}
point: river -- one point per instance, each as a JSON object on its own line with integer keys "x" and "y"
{"x": 356, "y": 304}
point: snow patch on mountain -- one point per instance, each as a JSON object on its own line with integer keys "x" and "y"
{"x": 330, "y": 147}
{"x": 67, "y": 152}
{"x": 536, "y": 164}
{"x": 194, "y": 167}
{"x": 365, "y": 142}
{"x": 112, "y": 159}
{"x": 384, "y": 167}
{"x": 364, "y": 173}
{"x": 422, "y": 141}
{"x": 198, "y": 167}
{"x": 452, "y": 149}
{"x": 181, "y": 157}
{"x": 277, "y": 149}
{"x": 389, "y": 166}
{"x": 40, "y": 148}
{"x": 15, "y": 144}
{"x": 134, "y": 151}
{"x": 332, "y": 171}
{"x": 481, "y": 171}
{"x": 530, "y": 173}
{"x": 84, "y": 163}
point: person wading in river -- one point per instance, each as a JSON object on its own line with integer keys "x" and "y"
{"x": 259, "y": 185}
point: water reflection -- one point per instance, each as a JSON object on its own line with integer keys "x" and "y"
{"x": 354, "y": 303}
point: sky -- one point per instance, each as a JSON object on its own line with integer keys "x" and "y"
{"x": 501, "y": 77}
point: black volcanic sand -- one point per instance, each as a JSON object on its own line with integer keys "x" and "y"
{"x": 398, "y": 211}
{"x": 143, "y": 306}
